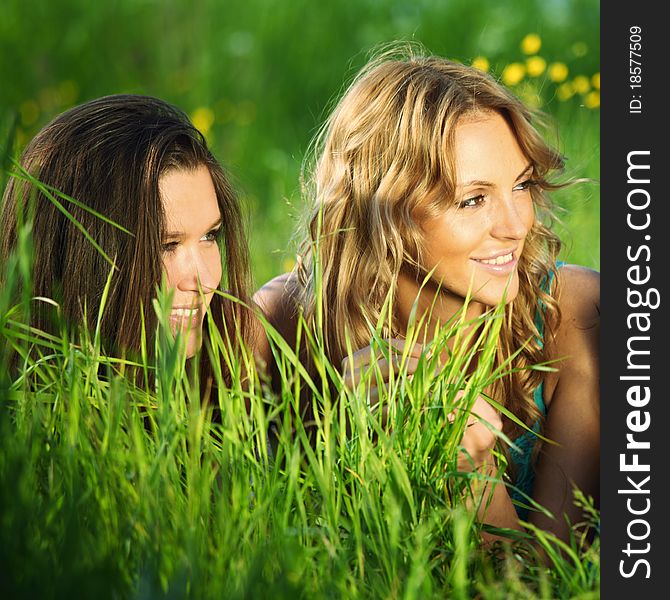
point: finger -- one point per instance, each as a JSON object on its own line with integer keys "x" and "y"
{"x": 395, "y": 364}
{"x": 367, "y": 355}
{"x": 481, "y": 411}
{"x": 406, "y": 348}
{"x": 478, "y": 440}
{"x": 471, "y": 419}
{"x": 358, "y": 358}
{"x": 380, "y": 371}
{"x": 477, "y": 443}
{"x": 491, "y": 419}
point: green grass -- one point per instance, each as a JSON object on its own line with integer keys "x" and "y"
{"x": 108, "y": 489}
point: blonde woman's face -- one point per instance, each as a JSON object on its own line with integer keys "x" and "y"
{"x": 477, "y": 242}
{"x": 191, "y": 256}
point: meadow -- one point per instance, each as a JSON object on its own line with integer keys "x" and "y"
{"x": 109, "y": 489}
{"x": 259, "y": 77}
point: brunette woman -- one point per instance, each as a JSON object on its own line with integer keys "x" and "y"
{"x": 152, "y": 196}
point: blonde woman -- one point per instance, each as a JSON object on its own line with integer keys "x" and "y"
{"x": 430, "y": 169}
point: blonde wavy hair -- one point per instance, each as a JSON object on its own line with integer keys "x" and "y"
{"x": 386, "y": 151}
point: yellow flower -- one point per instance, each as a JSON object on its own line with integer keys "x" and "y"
{"x": 536, "y": 66}
{"x": 531, "y": 44}
{"x": 203, "y": 119}
{"x": 579, "y": 49}
{"x": 581, "y": 84}
{"x": 565, "y": 91}
{"x": 513, "y": 73}
{"x": 592, "y": 99}
{"x": 595, "y": 81}
{"x": 558, "y": 71}
{"x": 481, "y": 63}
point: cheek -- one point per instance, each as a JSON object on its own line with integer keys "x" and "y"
{"x": 453, "y": 239}
{"x": 170, "y": 269}
{"x": 529, "y": 215}
{"x": 465, "y": 238}
{"x": 214, "y": 267}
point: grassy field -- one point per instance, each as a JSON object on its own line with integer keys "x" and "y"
{"x": 108, "y": 490}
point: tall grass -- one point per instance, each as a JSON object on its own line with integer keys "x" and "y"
{"x": 113, "y": 489}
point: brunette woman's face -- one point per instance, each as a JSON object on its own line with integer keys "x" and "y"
{"x": 191, "y": 256}
{"x": 476, "y": 243}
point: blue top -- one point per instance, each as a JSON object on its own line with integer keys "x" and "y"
{"x": 525, "y": 474}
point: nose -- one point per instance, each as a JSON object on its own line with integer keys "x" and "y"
{"x": 201, "y": 270}
{"x": 513, "y": 219}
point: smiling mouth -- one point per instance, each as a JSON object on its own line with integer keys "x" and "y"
{"x": 186, "y": 318}
{"x": 498, "y": 260}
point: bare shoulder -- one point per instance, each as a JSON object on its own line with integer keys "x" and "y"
{"x": 579, "y": 295}
{"x": 278, "y": 298}
{"x": 575, "y": 344}
{"x": 279, "y": 302}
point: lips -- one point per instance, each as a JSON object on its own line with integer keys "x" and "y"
{"x": 502, "y": 262}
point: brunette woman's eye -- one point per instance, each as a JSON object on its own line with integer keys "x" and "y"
{"x": 212, "y": 236}
{"x": 471, "y": 202}
{"x": 169, "y": 247}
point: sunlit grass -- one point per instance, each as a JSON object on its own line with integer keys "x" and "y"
{"x": 110, "y": 488}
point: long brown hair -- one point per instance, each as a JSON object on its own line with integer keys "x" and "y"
{"x": 109, "y": 155}
{"x": 386, "y": 151}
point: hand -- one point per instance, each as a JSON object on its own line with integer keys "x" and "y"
{"x": 478, "y": 439}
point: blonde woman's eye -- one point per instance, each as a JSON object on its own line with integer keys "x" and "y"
{"x": 471, "y": 202}
{"x": 525, "y": 185}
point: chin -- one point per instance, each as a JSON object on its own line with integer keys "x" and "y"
{"x": 190, "y": 341}
{"x": 193, "y": 344}
{"x": 493, "y": 297}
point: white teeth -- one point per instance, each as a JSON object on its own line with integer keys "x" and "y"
{"x": 500, "y": 260}
{"x": 184, "y": 312}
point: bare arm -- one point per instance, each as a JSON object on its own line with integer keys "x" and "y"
{"x": 573, "y": 402}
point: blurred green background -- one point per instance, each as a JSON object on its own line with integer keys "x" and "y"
{"x": 259, "y": 76}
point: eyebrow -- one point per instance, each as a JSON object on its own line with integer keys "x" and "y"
{"x": 178, "y": 234}
{"x": 481, "y": 183}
